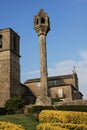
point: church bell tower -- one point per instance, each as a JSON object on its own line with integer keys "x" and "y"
{"x": 9, "y": 65}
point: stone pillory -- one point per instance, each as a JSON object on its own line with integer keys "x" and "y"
{"x": 42, "y": 27}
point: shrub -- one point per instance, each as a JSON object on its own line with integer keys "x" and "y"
{"x": 58, "y": 120}
{"x": 48, "y": 126}
{"x": 9, "y": 126}
{"x": 61, "y": 126}
{"x": 82, "y": 108}
{"x": 71, "y": 126}
{"x": 55, "y": 100}
{"x": 37, "y": 109}
{"x": 14, "y": 104}
{"x": 52, "y": 116}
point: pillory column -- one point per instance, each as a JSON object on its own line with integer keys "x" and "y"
{"x": 42, "y": 27}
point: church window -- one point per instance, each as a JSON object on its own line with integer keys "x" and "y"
{"x": 53, "y": 83}
{"x": 42, "y": 20}
{"x": 0, "y": 41}
{"x": 60, "y": 93}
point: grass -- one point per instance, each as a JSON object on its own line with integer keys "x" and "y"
{"x": 28, "y": 122}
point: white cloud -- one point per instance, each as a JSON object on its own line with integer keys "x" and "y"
{"x": 83, "y": 54}
{"x": 62, "y": 67}
{"x": 33, "y": 72}
{"x": 66, "y": 67}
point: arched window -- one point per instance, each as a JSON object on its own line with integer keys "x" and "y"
{"x": 0, "y": 41}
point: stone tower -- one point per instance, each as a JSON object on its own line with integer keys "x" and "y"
{"x": 9, "y": 65}
{"x": 42, "y": 27}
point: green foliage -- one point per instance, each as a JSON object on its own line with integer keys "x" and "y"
{"x": 37, "y": 109}
{"x": 56, "y": 100}
{"x": 2, "y": 111}
{"x": 14, "y": 104}
{"x": 82, "y": 108}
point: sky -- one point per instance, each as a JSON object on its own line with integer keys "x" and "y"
{"x": 66, "y": 41}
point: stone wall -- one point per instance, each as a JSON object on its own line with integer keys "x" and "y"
{"x": 27, "y": 94}
{"x": 35, "y": 88}
{"x": 62, "y": 92}
{"x": 74, "y": 102}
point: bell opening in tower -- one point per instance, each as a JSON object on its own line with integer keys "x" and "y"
{"x": 0, "y": 41}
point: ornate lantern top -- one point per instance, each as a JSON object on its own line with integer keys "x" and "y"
{"x": 41, "y": 23}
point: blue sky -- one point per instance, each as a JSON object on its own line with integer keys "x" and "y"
{"x": 66, "y": 41}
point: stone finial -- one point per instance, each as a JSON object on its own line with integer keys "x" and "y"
{"x": 74, "y": 70}
{"x": 41, "y": 23}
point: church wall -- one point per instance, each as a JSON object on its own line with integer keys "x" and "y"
{"x": 35, "y": 88}
{"x": 27, "y": 95}
{"x": 61, "y": 92}
{"x": 61, "y": 80}
{"x": 67, "y": 80}
{"x": 65, "y": 92}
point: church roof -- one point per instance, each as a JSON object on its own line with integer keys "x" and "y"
{"x": 49, "y": 78}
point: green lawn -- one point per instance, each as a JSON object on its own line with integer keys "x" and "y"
{"x": 26, "y": 121}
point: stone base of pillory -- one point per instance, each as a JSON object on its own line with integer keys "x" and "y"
{"x": 43, "y": 101}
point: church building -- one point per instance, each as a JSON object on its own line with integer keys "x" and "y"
{"x": 64, "y": 87}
